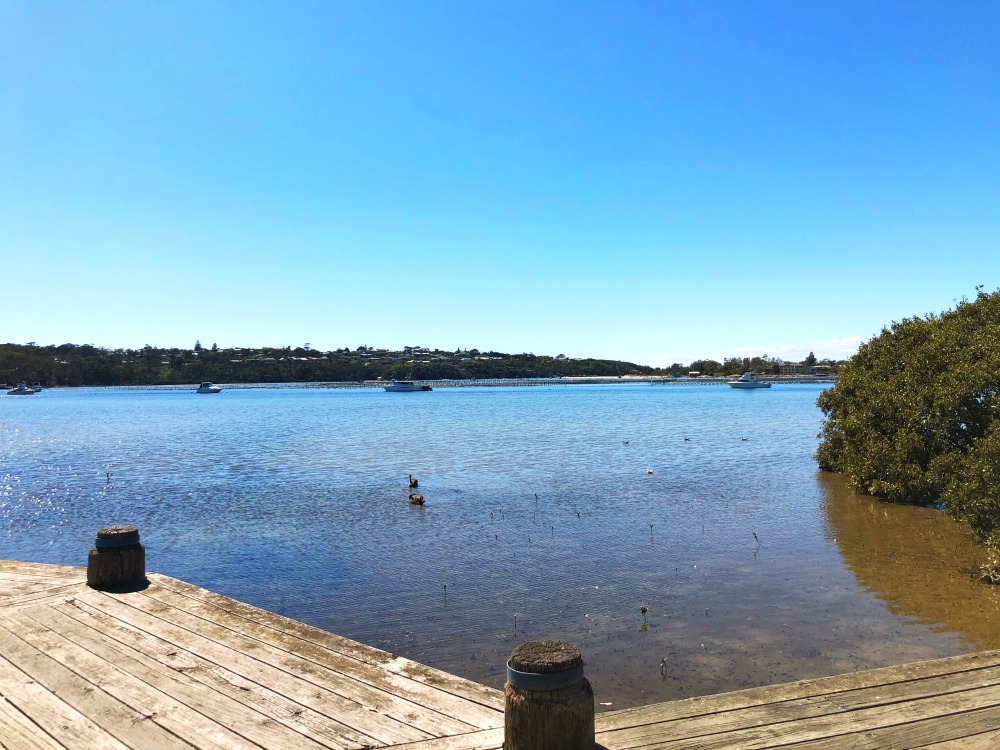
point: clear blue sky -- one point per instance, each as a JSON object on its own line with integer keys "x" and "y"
{"x": 652, "y": 181}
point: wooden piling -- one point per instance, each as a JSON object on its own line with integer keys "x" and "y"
{"x": 548, "y": 703}
{"x": 117, "y": 559}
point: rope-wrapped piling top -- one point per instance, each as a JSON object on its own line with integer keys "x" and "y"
{"x": 545, "y": 665}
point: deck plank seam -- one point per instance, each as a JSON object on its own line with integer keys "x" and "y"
{"x": 56, "y": 744}
{"x": 40, "y": 597}
{"x": 679, "y": 733}
{"x": 707, "y": 710}
{"x": 344, "y": 674}
{"x": 96, "y": 691}
{"x": 90, "y": 610}
{"x": 244, "y": 610}
{"x": 879, "y": 731}
{"x": 185, "y": 676}
{"x": 167, "y": 698}
{"x": 777, "y": 729}
{"x": 306, "y": 668}
{"x": 389, "y": 721}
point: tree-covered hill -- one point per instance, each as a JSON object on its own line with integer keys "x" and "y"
{"x": 77, "y": 365}
{"x": 915, "y": 416}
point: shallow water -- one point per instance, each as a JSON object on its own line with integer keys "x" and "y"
{"x": 538, "y": 517}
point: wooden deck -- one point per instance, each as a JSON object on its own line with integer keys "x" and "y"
{"x": 176, "y": 666}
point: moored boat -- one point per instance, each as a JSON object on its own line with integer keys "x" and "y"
{"x": 406, "y": 386}
{"x": 209, "y": 388}
{"x": 22, "y": 390}
{"x": 747, "y": 380}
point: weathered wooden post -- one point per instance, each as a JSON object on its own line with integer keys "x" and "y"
{"x": 548, "y": 702}
{"x": 117, "y": 560}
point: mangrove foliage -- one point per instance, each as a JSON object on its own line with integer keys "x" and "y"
{"x": 914, "y": 415}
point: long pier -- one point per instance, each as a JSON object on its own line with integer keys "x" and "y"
{"x": 485, "y": 383}
{"x": 172, "y": 665}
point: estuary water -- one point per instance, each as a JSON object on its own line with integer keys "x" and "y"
{"x": 542, "y": 520}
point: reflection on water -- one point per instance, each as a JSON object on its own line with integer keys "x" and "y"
{"x": 920, "y": 564}
{"x": 541, "y": 521}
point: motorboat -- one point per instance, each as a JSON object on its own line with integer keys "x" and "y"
{"x": 747, "y": 380}
{"x": 406, "y": 386}
{"x": 36, "y": 386}
{"x": 209, "y": 388}
{"x": 22, "y": 390}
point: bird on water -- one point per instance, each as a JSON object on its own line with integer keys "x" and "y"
{"x": 416, "y": 499}
{"x": 413, "y": 482}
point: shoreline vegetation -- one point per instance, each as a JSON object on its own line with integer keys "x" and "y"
{"x": 915, "y": 417}
{"x": 88, "y": 365}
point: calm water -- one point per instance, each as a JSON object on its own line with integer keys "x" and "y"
{"x": 538, "y": 516}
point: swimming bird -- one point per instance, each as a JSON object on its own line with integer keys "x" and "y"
{"x": 649, "y": 471}
{"x": 755, "y": 537}
{"x": 416, "y": 499}
{"x": 686, "y": 439}
{"x": 413, "y": 482}
{"x": 744, "y": 439}
{"x": 624, "y": 442}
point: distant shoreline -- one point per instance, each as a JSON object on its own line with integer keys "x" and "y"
{"x": 470, "y": 383}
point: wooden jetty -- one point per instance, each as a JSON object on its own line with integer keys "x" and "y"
{"x": 171, "y": 665}
{"x": 490, "y": 383}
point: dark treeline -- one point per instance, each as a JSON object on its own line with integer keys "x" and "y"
{"x": 763, "y": 364}
{"x": 85, "y": 364}
{"x": 79, "y": 365}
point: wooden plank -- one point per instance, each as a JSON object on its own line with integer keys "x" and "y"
{"x": 131, "y": 726}
{"x": 207, "y": 679}
{"x": 384, "y": 701}
{"x": 244, "y": 658}
{"x": 803, "y": 708}
{"x": 459, "y": 686}
{"x": 989, "y": 740}
{"x": 816, "y": 687}
{"x": 10, "y": 577}
{"x": 18, "y": 732}
{"x": 486, "y": 739}
{"x": 471, "y": 714}
{"x": 179, "y": 719}
{"x": 822, "y": 728}
{"x": 178, "y": 683}
{"x": 49, "y": 594}
{"x": 42, "y": 570}
{"x": 11, "y": 585}
{"x": 966, "y": 727}
{"x": 10, "y": 589}
{"x": 67, "y": 726}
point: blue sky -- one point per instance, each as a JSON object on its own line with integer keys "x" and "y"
{"x": 654, "y": 182}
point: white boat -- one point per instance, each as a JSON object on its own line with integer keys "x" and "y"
{"x": 209, "y": 388}
{"x": 746, "y": 380}
{"x": 36, "y": 386}
{"x": 22, "y": 390}
{"x": 406, "y": 386}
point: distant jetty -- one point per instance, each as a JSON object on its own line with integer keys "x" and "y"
{"x": 495, "y": 383}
